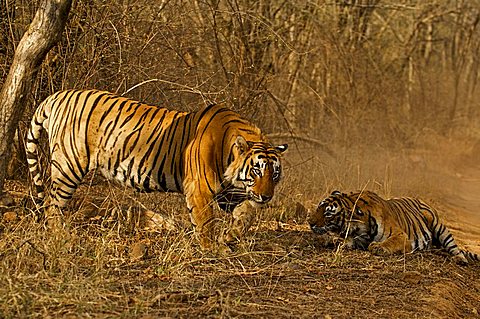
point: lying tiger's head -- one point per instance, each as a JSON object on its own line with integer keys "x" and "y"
{"x": 257, "y": 169}
{"x": 343, "y": 214}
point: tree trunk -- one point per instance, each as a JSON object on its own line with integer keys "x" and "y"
{"x": 44, "y": 31}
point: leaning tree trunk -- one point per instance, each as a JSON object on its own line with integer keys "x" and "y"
{"x": 44, "y": 31}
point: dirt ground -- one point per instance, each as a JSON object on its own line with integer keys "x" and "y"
{"x": 101, "y": 267}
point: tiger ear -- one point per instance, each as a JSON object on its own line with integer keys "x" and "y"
{"x": 336, "y": 193}
{"x": 281, "y": 148}
{"x": 242, "y": 144}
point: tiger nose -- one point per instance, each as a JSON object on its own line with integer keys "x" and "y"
{"x": 265, "y": 198}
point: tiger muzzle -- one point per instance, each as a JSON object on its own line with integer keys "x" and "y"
{"x": 261, "y": 199}
{"x": 318, "y": 230}
{"x": 324, "y": 229}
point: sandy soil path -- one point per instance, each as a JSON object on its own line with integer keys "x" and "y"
{"x": 463, "y": 204}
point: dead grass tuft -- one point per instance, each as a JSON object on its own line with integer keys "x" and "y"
{"x": 112, "y": 261}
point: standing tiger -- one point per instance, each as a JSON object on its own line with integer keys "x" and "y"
{"x": 211, "y": 154}
{"x": 385, "y": 226}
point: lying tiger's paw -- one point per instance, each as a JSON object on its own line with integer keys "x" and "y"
{"x": 379, "y": 249}
{"x": 348, "y": 243}
{"x": 326, "y": 240}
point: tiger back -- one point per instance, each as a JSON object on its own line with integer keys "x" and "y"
{"x": 385, "y": 226}
{"x": 208, "y": 154}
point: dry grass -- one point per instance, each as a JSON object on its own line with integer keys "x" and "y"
{"x": 107, "y": 265}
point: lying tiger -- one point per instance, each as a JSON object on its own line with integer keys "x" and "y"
{"x": 385, "y": 226}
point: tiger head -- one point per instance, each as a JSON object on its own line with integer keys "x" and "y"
{"x": 256, "y": 169}
{"x": 343, "y": 214}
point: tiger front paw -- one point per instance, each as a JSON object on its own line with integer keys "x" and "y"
{"x": 344, "y": 243}
{"x": 230, "y": 237}
{"x": 379, "y": 249}
{"x": 206, "y": 244}
{"x": 205, "y": 237}
{"x": 217, "y": 241}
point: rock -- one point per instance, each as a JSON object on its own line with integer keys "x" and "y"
{"x": 138, "y": 250}
{"x": 412, "y": 277}
{"x": 10, "y": 217}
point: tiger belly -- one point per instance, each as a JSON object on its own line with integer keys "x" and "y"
{"x": 422, "y": 243}
{"x": 416, "y": 239}
{"x": 142, "y": 181}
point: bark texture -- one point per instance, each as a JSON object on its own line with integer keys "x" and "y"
{"x": 42, "y": 34}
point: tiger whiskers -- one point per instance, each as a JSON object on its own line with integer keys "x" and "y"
{"x": 345, "y": 240}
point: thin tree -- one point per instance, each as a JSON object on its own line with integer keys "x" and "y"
{"x": 42, "y": 34}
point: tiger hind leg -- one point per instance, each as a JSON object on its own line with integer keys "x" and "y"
{"x": 397, "y": 243}
{"x": 31, "y": 151}
{"x": 445, "y": 238}
{"x": 63, "y": 187}
{"x": 468, "y": 255}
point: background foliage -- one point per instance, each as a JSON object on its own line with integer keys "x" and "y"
{"x": 323, "y": 69}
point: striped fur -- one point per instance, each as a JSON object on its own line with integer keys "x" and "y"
{"x": 398, "y": 225}
{"x": 211, "y": 153}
